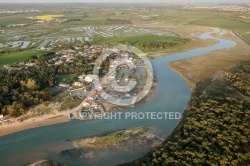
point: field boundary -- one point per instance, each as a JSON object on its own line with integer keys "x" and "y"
{"x": 242, "y": 38}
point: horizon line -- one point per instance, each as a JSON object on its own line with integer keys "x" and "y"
{"x": 125, "y": 3}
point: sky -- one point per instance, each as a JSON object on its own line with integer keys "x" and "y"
{"x": 122, "y": 1}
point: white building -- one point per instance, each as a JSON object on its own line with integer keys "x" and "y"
{"x": 81, "y": 77}
{"x": 1, "y": 118}
{"x": 59, "y": 62}
{"x": 85, "y": 104}
{"x": 89, "y": 78}
{"x": 69, "y": 60}
{"x": 79, "y": 84}
{"x": 64, "y": 85}
{"x": 30, "y": 64}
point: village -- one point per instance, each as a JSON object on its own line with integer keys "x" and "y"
{"x": 117, "y": 83}
{"x": 117, "y": 77}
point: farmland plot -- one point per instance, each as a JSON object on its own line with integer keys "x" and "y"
{"x": 44, "y": 43}
{"x": 86, "y": 33}
{"x": 16, "y": 44}
{"x": 25, "y": 44}
{"x": 112, "y": 31}
{"x": 79, "y": 39}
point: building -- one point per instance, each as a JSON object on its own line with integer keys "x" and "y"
{"x": 1, "y": 118}
{"x": 91, "y": 78}
{"x": 94, "y": 105}
{"x": 119, "y": 76}
{"x": 126, "y": 77}
{"x": 42, "y": 48}
{"x": 79, "y": 84}
{"x": 96, "y": 94}
{"x": 111, "y": 77}
{"x": 11, "y": 68}
{"x": 69, "y": 60}
{"x": 82, "y": 77}
{"x": 30, "y": 64}
{"x": 88, "y": 78}
{"x": 86, "y": 103}
{"x": 59, "y": 62}
{"x": 64, "y": 85}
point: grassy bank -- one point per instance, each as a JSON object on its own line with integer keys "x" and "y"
{"x": 70, "y": 103}
{"x": 247, "y": 37}
{"x": 108, "y": 140}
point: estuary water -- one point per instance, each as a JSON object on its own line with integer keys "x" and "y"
{"x": 172, "y": 95}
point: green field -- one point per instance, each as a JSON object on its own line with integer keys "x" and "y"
{"x": 86, "y": 22}
{"x": 7, "y": 21}
{"x": 247, "y": 37}
{"x": 138, "y": 41}
{"x": 19, "y": 56}
{"x": 180, "y": 17}
{"x": 226, "y": 20}
{"x": 224, "y": 23}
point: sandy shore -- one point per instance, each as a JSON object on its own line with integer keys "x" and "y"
{"x": 34, "y": 122}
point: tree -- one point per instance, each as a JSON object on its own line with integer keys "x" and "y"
{"x": 16, "y": 109}
{"x": 31, "y": 84}
{"x": 40, "y": 56}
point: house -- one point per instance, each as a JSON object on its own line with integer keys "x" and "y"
{"x": 131, "y": 58}
{"x": 1, "y": 118}
{"x": 30, "y": 64}
{"x": 11, "y": 68}
{"x": 69, "y": 60}
{"x": 86, "y": 103}
{"x": 79, "y": 84}
{"x": 88, "y": 78}
{"x": 65, "y": 56}
{"x": 91, "y": 78}
{"x": 39, "y": 21}
{"x": 94, "y": 105}
{"x": 59, "y": 62}
{"x": 64, "y": 85}
{"x": 104, "y": 85}
{"x": 81, "y": 77}
{"x": 95, "y": 94}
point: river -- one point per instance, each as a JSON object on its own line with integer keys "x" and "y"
{"x": 172, "y": 95}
